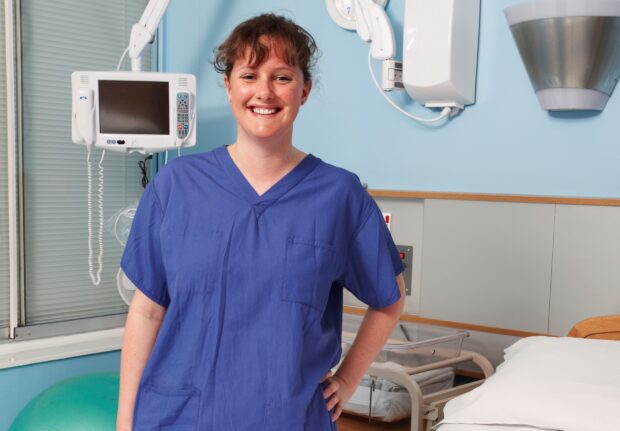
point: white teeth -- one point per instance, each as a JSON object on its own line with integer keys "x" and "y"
{"x": 263, "y": 111}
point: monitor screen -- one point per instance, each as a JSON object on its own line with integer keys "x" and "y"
{"x": 134, "y": 107}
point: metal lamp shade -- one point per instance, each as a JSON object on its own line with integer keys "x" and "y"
{"x": 570, "y": 49}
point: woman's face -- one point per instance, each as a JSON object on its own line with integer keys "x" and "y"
{"x": 265, "y": 98}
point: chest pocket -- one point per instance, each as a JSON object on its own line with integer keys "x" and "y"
{"x": 309, "y": 271}
{"x": 194, "y": 258}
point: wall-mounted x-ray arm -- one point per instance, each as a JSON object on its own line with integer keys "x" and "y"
{"x": 143, "y": 32}
{"x": 440, "y": 48}
{"x": 373, "y": 25}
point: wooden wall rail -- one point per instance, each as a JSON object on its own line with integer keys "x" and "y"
{"x": 495, "y": 197}
{"x": 451, "y": 324}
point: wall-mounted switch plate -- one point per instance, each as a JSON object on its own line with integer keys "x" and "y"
{"x": 406, "y": 255}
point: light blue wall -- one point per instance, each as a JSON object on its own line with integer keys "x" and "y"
{"x": 505, "y": 143}
{"x": 19, "y": 385}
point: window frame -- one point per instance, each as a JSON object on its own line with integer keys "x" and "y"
{"x": 22, "y": 344}
{"x": 13, "y": 138}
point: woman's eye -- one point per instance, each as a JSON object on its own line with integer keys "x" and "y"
{"x": 247, "y": 76}
{"x": 283, "y": 78}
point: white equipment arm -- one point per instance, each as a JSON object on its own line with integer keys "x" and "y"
{"x": 144, "y": 31}
{"x": 373, "y": 25}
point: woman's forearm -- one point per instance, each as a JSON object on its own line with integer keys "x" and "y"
{"x": 371, "y": 336}
{"x": 141, "y": 329}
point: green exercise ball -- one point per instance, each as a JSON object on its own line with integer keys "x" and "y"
{"x": 87, "y": 402}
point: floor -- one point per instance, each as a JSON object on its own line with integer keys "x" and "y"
{"x": 354, "y": 423}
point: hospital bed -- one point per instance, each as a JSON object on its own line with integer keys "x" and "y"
{"x": 549, "y": 383}
{"x": 413, "y": 375}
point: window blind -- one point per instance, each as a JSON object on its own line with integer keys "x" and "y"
{"x": 59, "y": 37}
{"x": 4, "y": 186}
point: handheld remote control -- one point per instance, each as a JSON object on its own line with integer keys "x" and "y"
{"x": 183, "y": 108}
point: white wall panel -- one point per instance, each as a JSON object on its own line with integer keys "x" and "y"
{"x": 407, "y": 224}
{"x": 586, "y": 265}
{"x": 487, "y": 263}
{"x": 531, "y": 267}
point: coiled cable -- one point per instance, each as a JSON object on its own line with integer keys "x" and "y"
{"x": 96, "y": 279}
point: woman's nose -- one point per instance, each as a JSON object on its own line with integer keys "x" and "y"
{"x": 265, "y": 89}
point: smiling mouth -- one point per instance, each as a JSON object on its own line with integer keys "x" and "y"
{"x": 264, "y": 111}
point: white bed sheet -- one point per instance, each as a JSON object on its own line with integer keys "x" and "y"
{"x": 569, "y": 384}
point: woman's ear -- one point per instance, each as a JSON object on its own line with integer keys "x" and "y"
{"x": 227, "y": 86}
{"x": 306, "y": 91}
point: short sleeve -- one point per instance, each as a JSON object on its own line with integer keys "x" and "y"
{"x": 142, "y": 260}
{"x": 373, "y": 262}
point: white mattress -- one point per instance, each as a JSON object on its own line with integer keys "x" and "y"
{"x": 545, "y": 383}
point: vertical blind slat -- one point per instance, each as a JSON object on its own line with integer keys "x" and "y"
{"x": 4, "y": 185}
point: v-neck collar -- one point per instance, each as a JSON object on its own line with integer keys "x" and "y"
{"x": 276, "y": 191}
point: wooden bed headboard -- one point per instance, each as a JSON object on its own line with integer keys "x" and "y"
{"x": 602, "y": 327}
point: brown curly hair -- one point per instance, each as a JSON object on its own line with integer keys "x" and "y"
{"x": 262, "y": 34}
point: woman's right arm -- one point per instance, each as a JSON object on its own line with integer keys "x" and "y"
{"x": 141, "y": 329}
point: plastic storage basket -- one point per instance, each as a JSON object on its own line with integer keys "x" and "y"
{"x": 410, "y": 344}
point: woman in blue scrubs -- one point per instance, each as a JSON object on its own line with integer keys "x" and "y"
{"x": 241, "y": 255}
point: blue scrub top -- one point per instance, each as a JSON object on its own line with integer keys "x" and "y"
{"x": 253, "y": 290}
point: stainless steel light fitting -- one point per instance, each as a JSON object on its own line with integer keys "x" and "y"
{"x": 570, "y": 49}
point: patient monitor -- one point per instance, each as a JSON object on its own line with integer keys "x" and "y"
{"x": 133, "y": 111}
